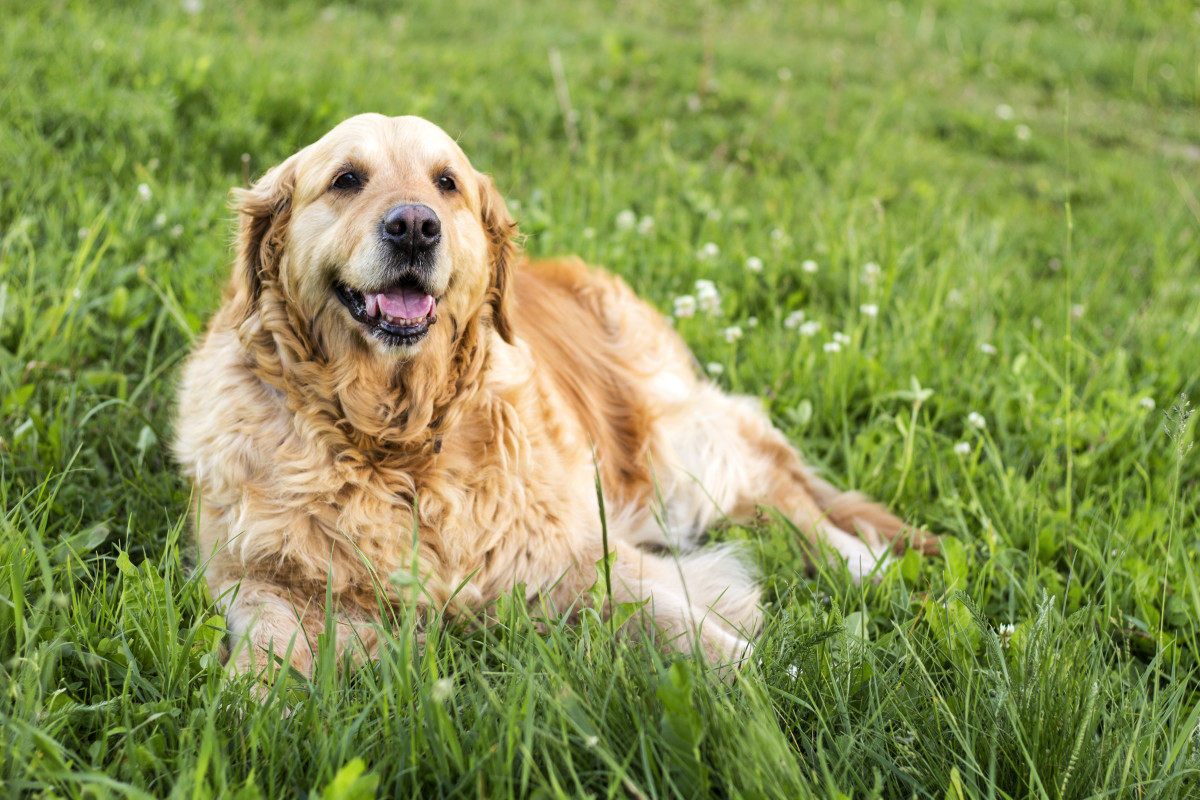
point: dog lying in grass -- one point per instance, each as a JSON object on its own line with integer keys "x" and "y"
{"x": 388, "y": 387}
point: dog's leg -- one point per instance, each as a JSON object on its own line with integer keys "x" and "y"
{"x": 716, "y": 608}
{"x": 863, "y": 532}
{"x": 730, "y": 457}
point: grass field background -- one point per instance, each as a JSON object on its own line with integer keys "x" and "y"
{"x": 999, "y": 201}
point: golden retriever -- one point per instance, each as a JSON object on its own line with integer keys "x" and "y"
{"x": 389, "y": 388}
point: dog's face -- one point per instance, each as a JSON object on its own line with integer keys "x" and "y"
{"x": 376, "y": 232}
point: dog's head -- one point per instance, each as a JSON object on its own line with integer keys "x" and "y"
{"x": 374, "y": 242}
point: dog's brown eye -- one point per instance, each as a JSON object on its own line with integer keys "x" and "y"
{"x": 347, "y": 180}
{"x": 446, "y": 183}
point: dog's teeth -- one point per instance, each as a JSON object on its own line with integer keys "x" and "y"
{"x": 372, "y": 305}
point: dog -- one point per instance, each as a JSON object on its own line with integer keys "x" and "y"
{"x": 390, "y": 388}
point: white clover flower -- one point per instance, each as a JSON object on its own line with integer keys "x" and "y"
{"x": 793, "y": 320}
{"x": 84, "y": 233}
{"x": 709, "y": 251}
{"x": 810, "y": 328}
{"x": 592, "y": 741}
{"x": 793, "y": 672}
{"x": 1023, "y": 132}
{"x": 693, "y": 103}
{"x": 714, "y": 368}
{"x": 192, "y": 7}
{"x": 754, "y": 264}
{"x": 626, "y": 220}
{"x": 1005, "y": 631}
{"x": 954, "y": 298}
{"x": 976, "y": 420}
{"x": 645, "y": 225}
{"x": 869, "y": 310}
{"x": 809, "y": 266}
{"x": 707, "y": 296}
{"x": 160, "y": 220}
{"x": 1004, "y": 111}
{"x": 589, "y": 233}
{"x": 443, "y": 690}
{"x": 685, "y": 306}
{"x": 1077, "y": 311}
{"x": 777, "y": 234}
{"x": 177, "y": 231}
{"x": 784, "y": 74}
{"x": 841, "y": 338}
{"x": 752, "y": 322}
{"x": 832, "y": 347}
{"x": 989, "y": 348}
{"x": 963, "y": 449}
{"x": 1147, "y": 403}
{"x": 870, "y": 272}
{"x": 144, "y": 192}
{"x": 732, "y": 334}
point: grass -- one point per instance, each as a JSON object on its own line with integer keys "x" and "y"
{"x": 1024, "y": 175}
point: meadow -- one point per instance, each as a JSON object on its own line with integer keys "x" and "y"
{"x": 956, "y": 245}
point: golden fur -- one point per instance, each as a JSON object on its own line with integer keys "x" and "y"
{"x": 312, "y": 444}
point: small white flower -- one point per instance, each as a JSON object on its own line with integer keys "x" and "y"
{"x": 1037, "y": 323}
{"x": 869, "y": 310}
{"x": 1004, "y": 111}
{"x": 1005, "y": 631}
{"x": 626, "y": 220}
{"x": 714, "y": 215}
{"x": 870, "y": 272}
{"x": 84, "y": 233}
{"x": 160, "y": 220}
{"x": 752, "y": 322}
{"x": 963, "y": 449}
{"x": 693, "y": 103}
{"x": 784, "y": 74}
{"x": 76, "y": 293}
{"x": 714, "y": 368}
{"x": 1076, "y": 311}
{"x": 645, "y": 225}
{"x": 707, "y": 296}
{"x": 810, "y": 328}
{"x": 144, "y": 192}
{"x": 1147, "y": 403}
{"x": 177, "y": 231}
{"x": 685, "y": 306}
{"x": 592, "y": 741}
{"x": 976, "y": 420}
{"x": 793, "y": 320}
{"x": 841, "y": 338}
{"x": 989, "y": 348}
{"x": 1023, "y": 132}
{"x": 832, "y": 347}
{"x": 793, "y": 672}
{"x": 732, "y": 334}
{"x": 192, "y": 7}
{"x": 809, "y": 266}
{"x": 954, "y": 298}
{"x": 754, "y": 264}
{"x": 443, "y": 690}
{"x": 589, "y": 233}
{"x": 778, "y": 234}
{"x": 709, "y": 251}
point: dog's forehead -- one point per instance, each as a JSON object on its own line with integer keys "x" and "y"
{"x": 404, "y": 146}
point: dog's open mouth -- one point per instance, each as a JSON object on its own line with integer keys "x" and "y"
{"x": 399, "y": 315}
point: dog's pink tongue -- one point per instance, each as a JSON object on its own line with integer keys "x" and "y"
{"x": 406, "y": 303}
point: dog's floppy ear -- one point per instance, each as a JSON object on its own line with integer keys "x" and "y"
{"x": 263, "y": 213}
{"x": 501, "y": 231}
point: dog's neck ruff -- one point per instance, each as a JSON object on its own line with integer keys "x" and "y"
{"x": 359, "y": 414}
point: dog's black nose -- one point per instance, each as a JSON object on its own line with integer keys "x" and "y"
{"x": 412, "y": 226}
